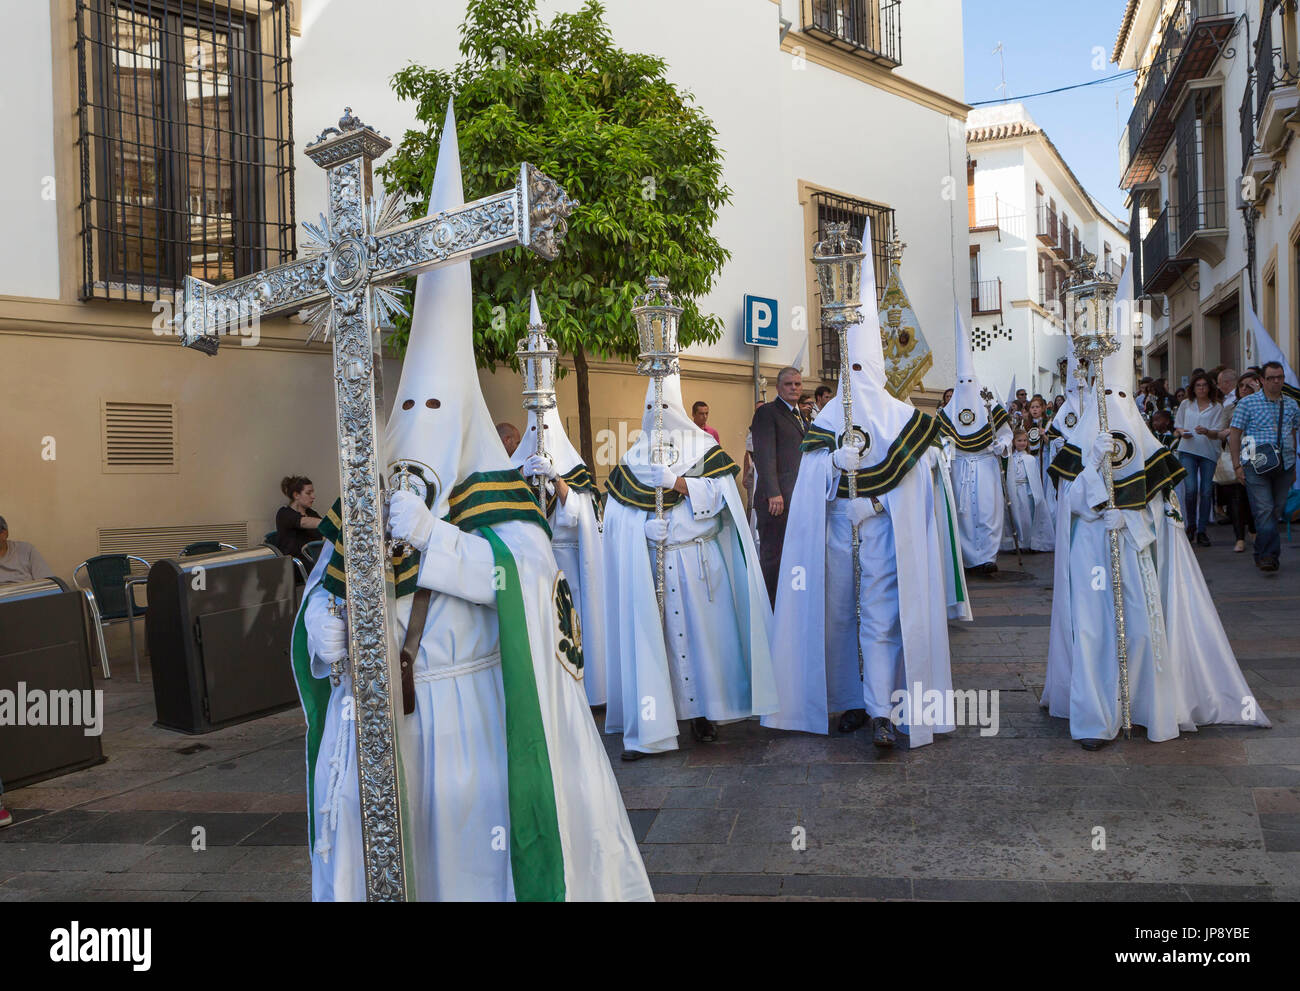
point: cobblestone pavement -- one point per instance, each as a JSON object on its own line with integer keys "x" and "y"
{"x": 1213, "y": 815}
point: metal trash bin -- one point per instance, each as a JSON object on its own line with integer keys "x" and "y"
{"x": 218, "y": 629}
{"x": 52, "y": 716}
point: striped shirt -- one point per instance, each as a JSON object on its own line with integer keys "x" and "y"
{"x": 1256, "y": 416}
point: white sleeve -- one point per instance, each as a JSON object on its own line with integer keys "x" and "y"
{"x": 707, "y": 497}
{"x": 459, "y": 564}
{"x": 567, "y": 513}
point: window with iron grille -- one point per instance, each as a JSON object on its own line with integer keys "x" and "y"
{"x": 1198, "y": 133}
{"x": 186, "y": 142}
{"x": 869, "y": 29}
{"x": 832, "y": 208}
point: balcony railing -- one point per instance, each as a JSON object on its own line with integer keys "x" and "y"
{"x": 870, "y": 29}
{"x": 1047, "y": 226}
{"x": 1160, "y": 261}
{"x": 986, "y": 296}
{"x": 1205, "y": 209}
{"x": 1188, "y": 47}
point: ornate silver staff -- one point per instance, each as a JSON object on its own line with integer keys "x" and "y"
{"x": 987, "y": 396}
{"x": 838, "y": 258}
{"x": 1092, "y": 302}
{"x": 538, "y": 354}
{"x": 656, "y": 314}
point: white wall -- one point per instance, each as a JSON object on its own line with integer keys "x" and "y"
{"x": 29, "y": 248}
{"x": 776, "y": 125}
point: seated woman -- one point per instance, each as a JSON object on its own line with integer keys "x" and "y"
{"x": 296, "y": 524}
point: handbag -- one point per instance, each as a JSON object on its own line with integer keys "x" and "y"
{"x": 1267, "y": 458}
{"x": 1224, "y": 473}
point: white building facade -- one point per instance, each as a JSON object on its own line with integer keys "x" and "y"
{"x": 1029, "y": 218}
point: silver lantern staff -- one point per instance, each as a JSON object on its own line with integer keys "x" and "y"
{"x": 1092, "y": 299}
{"x": 538, "y": 355}
{"x": 987, "y": 395}
{"x": 838, "y": 259}
{"x": 656, "y": 314}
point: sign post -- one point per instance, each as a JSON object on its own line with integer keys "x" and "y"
{"x": 760, "y": 332}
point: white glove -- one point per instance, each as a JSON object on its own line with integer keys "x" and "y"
{"x": 1102, "y": 448}
{"x": 1114, "y": 519}
{"x": 656, "y": 531}
{"x": 660, "y": 477}
{"x": 862, "y": 509}
{"x": 538, "y": 465}
{"x": 332, "y": 636}
{"x": 409, "y": 520}
{"x": 847, "y": 458}
{"x": 1002, "y": 447}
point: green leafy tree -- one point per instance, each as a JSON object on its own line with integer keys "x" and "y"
{"x": 638, "y": 154}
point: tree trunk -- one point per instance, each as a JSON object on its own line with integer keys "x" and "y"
{"x": 584, "y": 407}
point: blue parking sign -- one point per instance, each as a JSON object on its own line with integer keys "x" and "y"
{"x": 760, "y": 321}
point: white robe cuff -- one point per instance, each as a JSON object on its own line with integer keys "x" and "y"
{"x": 566, "y": 512}
{"x": 706, "y": 497}
{"x": 458, "y": 564}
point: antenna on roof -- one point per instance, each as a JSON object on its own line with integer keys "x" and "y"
{"x": 1002, "y": 63}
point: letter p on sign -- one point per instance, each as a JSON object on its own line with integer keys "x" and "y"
{"x": 760, "y": 322}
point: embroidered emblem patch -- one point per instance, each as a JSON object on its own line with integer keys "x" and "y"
{"x": 966, "y": 417}
{"x": 1123, "y": 450}
{"x": 856, "y": 438}
{"x": 568, "y": 640}
{"x": 1173, "y": 509}
{"x": 1071, "y": 420}
{"x": 1034, "y": 434}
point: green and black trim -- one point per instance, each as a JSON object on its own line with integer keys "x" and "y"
{"x": 1161, "y": 471}
{"x": 920, "y": 432}
{"x": 979, "y": 440}
{"x": 625, "y": 488}
{"x": 482, "y": 499}
{"x": 1290, "y": 390}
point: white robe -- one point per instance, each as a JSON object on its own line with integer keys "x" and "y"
{"x": 1030, "y": 512}
{"x": 576, "y": 540}
{"x": 1181, "y": 669}
{"x": 912, "y": 583}
{"x": 977, "y": 485}
{"x": 453, "y": 750}
{"x": 711, "y": 657}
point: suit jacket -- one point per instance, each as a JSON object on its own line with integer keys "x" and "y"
{"x": 777, "y": 434}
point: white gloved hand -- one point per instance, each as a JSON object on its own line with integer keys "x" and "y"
{"x": 1114, "y": 519}
{"x": 660, "y": 477}
{"x": 538, "y": 465}
{"x": 409, "y": 520}
{"x": 1102, "y": 448}
{"x": 656, "y": 531}
{"x": 1002, "y": 447}
{"x": 847, "y": 458}
{"x": 332, "y": 636}
{"x": 862, "y": 509}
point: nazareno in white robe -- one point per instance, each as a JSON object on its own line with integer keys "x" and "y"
{"x": 1030, "y": 512}
{"x": 712, "y": 655}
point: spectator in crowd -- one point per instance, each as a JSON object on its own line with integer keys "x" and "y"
{"x": 1180, "y": 396}
{"x": 1143, "y": 397}
{"x": 296, "y": 524}
{"x": 821, "y": 396}
{"x": 1022, "y": 397}
{"x": 700, "y": 414}
{"x": 1162, "y": 425}
{"x": 1199, "y": 424}
{"x": 778, "y": 430}
{"x": 947, "y": 394}
{"x": 1226, "y": 381}
{"x": 509, "y": 435}
{"x": 1057, "y": 402}
{"x": 19, "y": 560}
{"x": 1232, "y": 495}
{"x": 1269, "y": 418}
{"x": 806, "y": 408}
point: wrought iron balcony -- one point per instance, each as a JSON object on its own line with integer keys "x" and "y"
{"x": 1195, "y": 33}
{"x": 869, "y": 29}
{"x": 1047, "y": 226}
{"x": 1275, "y": 77}
{"x": 1161, "y": 263}
{"x": 986, "y": 297}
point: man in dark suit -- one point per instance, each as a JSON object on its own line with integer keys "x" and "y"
{"x": 778, "y": 430}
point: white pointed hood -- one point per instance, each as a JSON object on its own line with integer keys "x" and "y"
{"x": 1066, "y": 419}
{"x": 564, "y": 456}
{"x": 875, "y": 411}
{"x": 691, "y": 443}
{"x": 440, "y": 419}
{"x": 965, "y": 410}
{"x": 1011, "y": 393}
{"x": 1266, "y": 349}
{"x": 1137, "y": 446}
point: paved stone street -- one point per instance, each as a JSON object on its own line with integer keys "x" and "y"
{"x": 1213, "y": 815}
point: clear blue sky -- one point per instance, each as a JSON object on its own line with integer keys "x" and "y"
{"x": 1047, "y": 44}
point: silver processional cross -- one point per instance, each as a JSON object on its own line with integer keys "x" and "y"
{"x": 341, "y": 281}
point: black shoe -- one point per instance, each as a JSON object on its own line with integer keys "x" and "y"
{"x": 1092, "y": 744}
{"x": 1268, "y": 564}
{"x": 853, "y": 720}
{"x": 634, "y": 755}
{"x": 1202, "y": 540}
{"x": 882, "y": 732}
{"x": 703, "y": 730}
